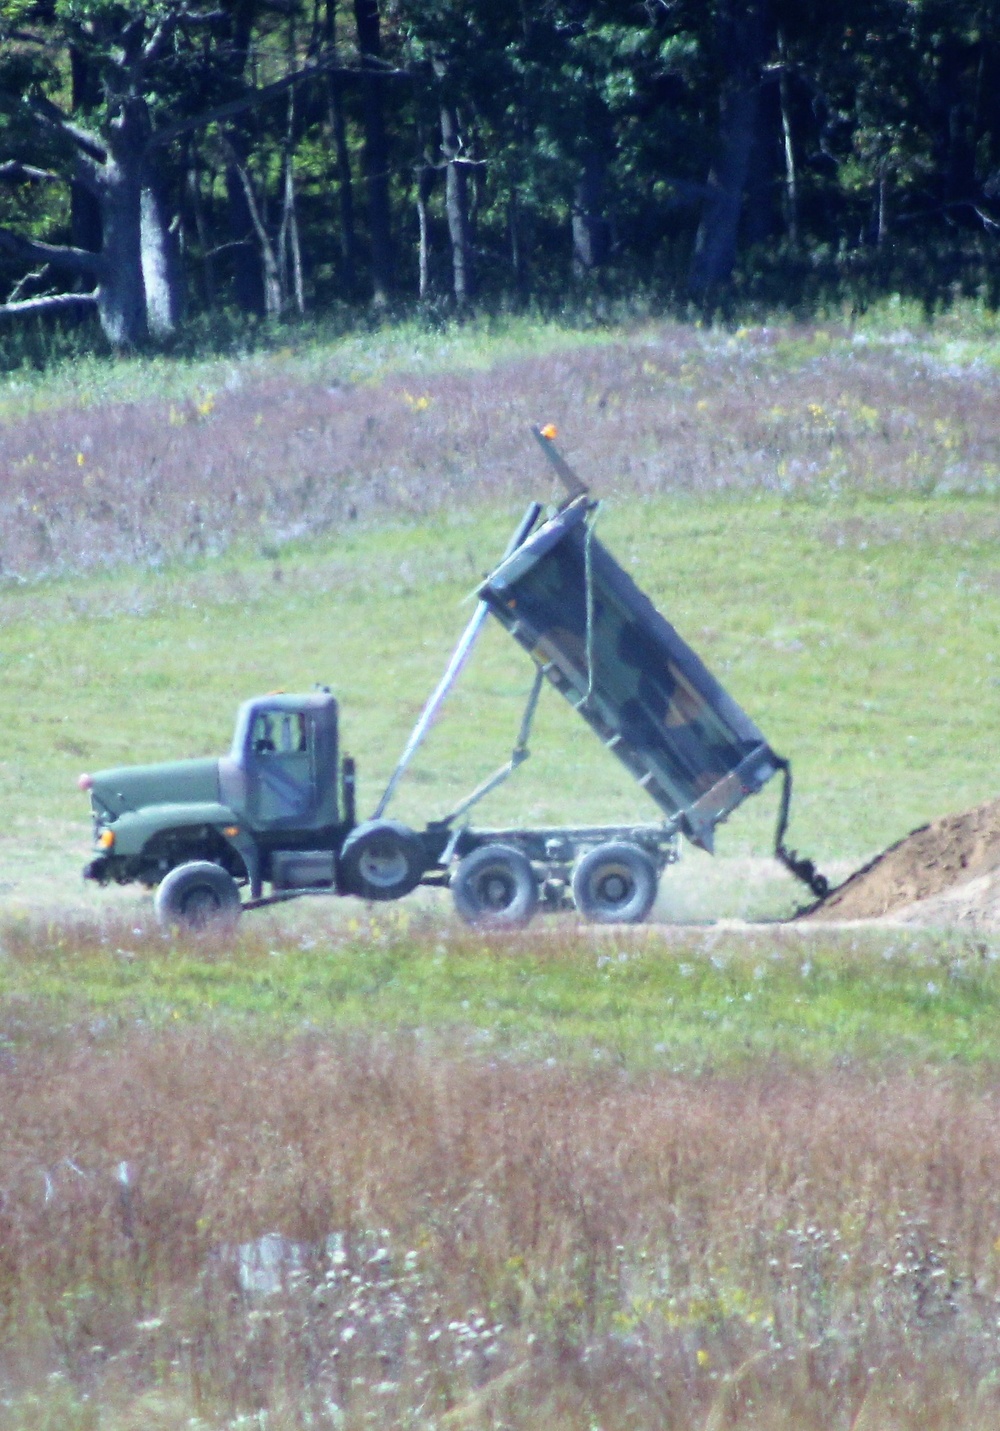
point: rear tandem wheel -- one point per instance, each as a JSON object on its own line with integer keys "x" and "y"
{"x": 615, "y": 883}
{"x": 495, "y": 887}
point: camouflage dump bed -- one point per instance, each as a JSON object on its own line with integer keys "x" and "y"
{"x": 618, "y": 662}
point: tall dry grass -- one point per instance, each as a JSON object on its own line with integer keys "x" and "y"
{"x": 356, "y": 1231}
{"x": 273, "y": 456}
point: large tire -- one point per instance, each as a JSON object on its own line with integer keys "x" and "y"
{"x": 615, "y": 883}
{"x": 381, "y": 860}
{"x": 197, "y": 895}
{"x": 495, "y": 886}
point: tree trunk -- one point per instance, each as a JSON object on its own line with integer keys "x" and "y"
{"x": 201, "y": 229}
{"x": 338, "y": 130}
{"x": 791, "y": 173}
{"x": 345, "y": 191}
{"x": 289, "y": 242}
{"x": 882, "y": 207}
{"x": 121, "y": 296}
{"x": 270, "y": 266}
{"x": 161, "y": 266}
{"x": 376, "y": 150}
{"x": 590, "y": 231}
{"x": 456, "y": 201}
{"x": 425, "y": 184}
{"x": 84, "y": 206}
{"x": 742, "y": 40}
{"x": 248, "y": 282}
{"x": 517, "y": 265}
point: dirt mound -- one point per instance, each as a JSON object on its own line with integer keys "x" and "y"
{"x": 933, "y": 860}
{"x": 972, "y": 905}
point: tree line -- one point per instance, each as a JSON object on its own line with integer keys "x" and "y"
{"x": 161, "y": 158}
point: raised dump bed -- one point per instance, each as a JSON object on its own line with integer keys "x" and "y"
{"x": 628, "y": 674}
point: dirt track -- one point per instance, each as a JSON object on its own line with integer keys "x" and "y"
{"x": 943, "y": 873}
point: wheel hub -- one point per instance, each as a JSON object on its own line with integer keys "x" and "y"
{"x": 383, "y": 867}
{"x": 496, "y": 891}
{"x": 200, "y": 906}
{"x": 615, "y": 887}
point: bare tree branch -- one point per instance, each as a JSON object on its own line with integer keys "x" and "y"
{"x": 154, "y": 45}
{"x": 78, "y": 260}
{"x": 50, "y": 115}
{"x": 259, "y": 96}
{"x": 14, "y": 172}
{"x": 22, "y": 283}
{"x": 50, "y": 302}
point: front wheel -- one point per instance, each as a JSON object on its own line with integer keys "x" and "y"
{"x": 615, "y": 883}
{"x": 495, "y": 886}
{"x": 197, "y": 896}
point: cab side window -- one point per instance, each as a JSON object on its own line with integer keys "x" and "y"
{"x": 278, "y": 733}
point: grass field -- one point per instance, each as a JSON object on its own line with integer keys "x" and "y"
{"x": 364, "y": 1168}
{"x": 862, "y": 636}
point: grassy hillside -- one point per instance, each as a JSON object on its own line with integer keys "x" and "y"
{"x": 814, "y": 508}
{"x": 861, "y": 634}
{"x": 367, "y": 1168}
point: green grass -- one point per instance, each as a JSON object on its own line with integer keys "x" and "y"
{"x": 834, "y": 1084}
{"x": 638, "y": 999}
{"x": 305, "y": 353}
{"x": 861, "y": 635}
{"x": 965, "y": 334}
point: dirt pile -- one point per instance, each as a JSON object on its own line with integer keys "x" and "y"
{"x": 949, "y": 869}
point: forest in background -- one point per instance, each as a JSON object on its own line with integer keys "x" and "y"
{"x": 166, "y": 164}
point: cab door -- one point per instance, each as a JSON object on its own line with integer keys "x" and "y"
{"x": 280, "y": 760}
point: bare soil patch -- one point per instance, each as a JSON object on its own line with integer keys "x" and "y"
{"x": 943, "y": 871}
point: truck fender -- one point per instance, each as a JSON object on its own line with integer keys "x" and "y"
{"x": 246, "y": 847}
{"x": 134, "y": 830}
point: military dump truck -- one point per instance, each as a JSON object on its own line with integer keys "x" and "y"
{"x": 275, "y": 819}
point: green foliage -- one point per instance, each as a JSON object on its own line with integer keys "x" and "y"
{"x": 876, "y": 148}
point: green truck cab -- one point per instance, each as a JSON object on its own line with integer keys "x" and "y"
{"x": 278, "y": 809}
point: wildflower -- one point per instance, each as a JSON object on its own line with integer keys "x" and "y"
{"x": 702, "y": 1357}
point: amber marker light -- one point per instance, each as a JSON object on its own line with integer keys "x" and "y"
{"x": 231, "y": 830}
{"x": 550, "y": 431}
{"x": 107, "y": 839}
{"x": 85, "y": 782}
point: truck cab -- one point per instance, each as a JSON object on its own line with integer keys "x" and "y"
{"x": 276, "y": 808}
